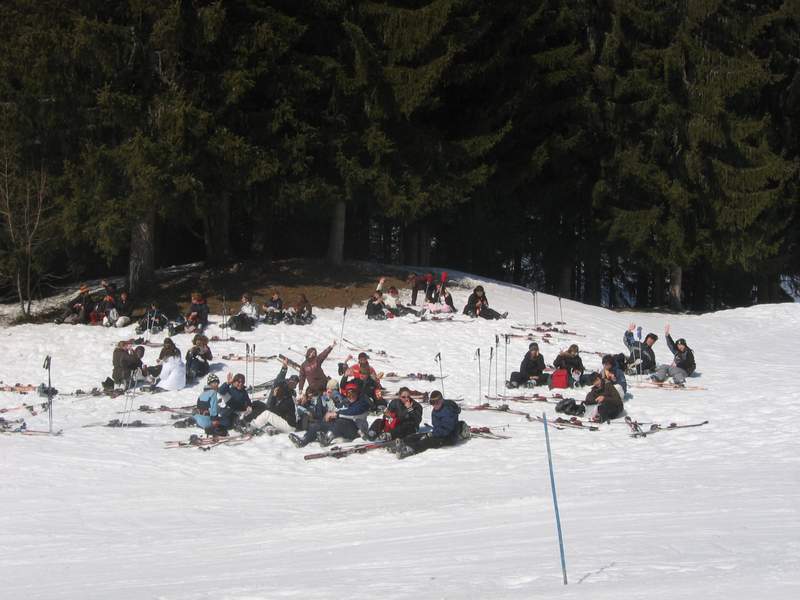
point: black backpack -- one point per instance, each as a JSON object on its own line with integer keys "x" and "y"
{"x": 568, "y": 406}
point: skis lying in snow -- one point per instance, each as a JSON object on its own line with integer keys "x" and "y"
{"x": 255, "y": 358}
{"x": 179, "y": 410}
{"x": 504, "y": 408}
{"x": 637, "y": 431}
{"x": 140, "y": 341}
{"x": 206, "y": 443}
{"x": 665, "y": 385}
{"x": 436, "y": 319}
{"x": 487, "y": 433}
{"x": 18, "y": 388}
{"x": 571, "y": 423}
{"x": 216, "y": 338}
{"x": 358, "y": 347}
{"x": 530, "y": 337}
{"x": 540, "y": 329}
{"x": 19, "y": 427}
{"x": 31, "y": 408}
{"x": 342, "y": 451}
{"x": 394, "y": 377}
{"x": 551, "y": 398}
{"x": 124, "y": 425}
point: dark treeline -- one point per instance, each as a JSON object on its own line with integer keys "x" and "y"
{"x": 641, "y": 151}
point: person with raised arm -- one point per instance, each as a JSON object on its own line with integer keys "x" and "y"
{"x": 642, "y": 359}
{"x": 683, "y": 364}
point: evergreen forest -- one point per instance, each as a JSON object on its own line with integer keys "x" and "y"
{"x": 619, "y": 152}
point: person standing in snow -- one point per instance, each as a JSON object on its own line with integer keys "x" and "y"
{"x": 531, "y": 370}
{"x": 682, "y": 365}
{"x": 420, "y": 283}
{"x": 642, "y": 358}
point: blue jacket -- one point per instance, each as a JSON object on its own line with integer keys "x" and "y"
{"x": 239, "y": 400}
{"x": 359, "y": 407}
{"x": 619, "y": 375}
{"x": 207, "y": 401}
{"x": 445, "y": 420}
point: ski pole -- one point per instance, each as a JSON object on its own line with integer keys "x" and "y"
{"x": 341, "y": 334}
{"x": 505, "y": 365}
{"x": 639, "y": 366}
{"x": 555, "y": 498}
{"x": 246, "y": 357}
{"x": 561, "y": 309}
{"x": 535, "y": 312}
{"x": 478, "y": 356}
{"x": 253, "y": 378}
{"x": 489, "y": 384}
{"x": 438, "y": 359}
{"x": 46, "y": 365}
{"x": 497, "y": 360}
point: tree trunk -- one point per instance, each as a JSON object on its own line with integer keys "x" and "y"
{"x": 141, "y": 266}
{"x": 565, "y": 281}
{"x": 424, "y": 245}
{"x": 336, "y": 239}
{"x": 594, "y": 270}
{"x": 658, "y": 287}
{"x": 643, "y": 289}
{"x": 675, "y": 287}
{"x": 217, "y": 233}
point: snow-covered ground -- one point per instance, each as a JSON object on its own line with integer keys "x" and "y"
{"x": 705, "y": 512}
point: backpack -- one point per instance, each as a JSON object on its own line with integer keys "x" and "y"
{"x": 559, "y": 379}
{"x": 568, "y": 406}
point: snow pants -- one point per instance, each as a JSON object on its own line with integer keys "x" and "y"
{"x": 664, "y": 371}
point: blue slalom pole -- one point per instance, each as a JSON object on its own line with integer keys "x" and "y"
{"x": 555, "y": 499}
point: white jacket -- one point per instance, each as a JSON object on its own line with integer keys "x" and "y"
{"x": 173, "y": 374}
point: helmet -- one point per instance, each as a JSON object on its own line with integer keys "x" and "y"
{"x": 212, "y": 379}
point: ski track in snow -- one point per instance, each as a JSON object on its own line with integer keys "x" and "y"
{"x": 108, "y": 513}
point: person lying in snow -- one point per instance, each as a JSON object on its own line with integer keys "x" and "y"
{"x": 478, "y": 306}
{"x": 531, "y": 370}
{"x": 447, "y": 429}
{"x": 642, "y": 359}
{"x": 683, "y": 364}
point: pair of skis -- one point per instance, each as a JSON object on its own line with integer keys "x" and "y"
{"x": 638, "y": 431}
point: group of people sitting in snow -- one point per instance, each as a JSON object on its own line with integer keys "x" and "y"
{"x": 112, "y": 308}
{"x": 313, "y": 408}
{"x": 609, "y": 385}
{"x": 438, "y": 300}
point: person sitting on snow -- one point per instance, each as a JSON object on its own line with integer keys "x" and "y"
{"x": 208, "y": 407}
{"x": 344, "y": 423}
{"x": 438, "y": 301}
{"x": 571, "y": 361}
{"x": 531, "y": 369}
{"x": 278, "y": 412}
{"x": 605, "y": 395}
{"x": 300, "y": 313}
{"x": 247, "y": 316}
{"x": 78, "y": 309}
{"x": 447, "y": 429}
{"x": 613, "y": 372}
{"x": 642, "y": 358}
{"x": 126, "y": 362}
{"x": 198, "y": 358}
{"x": 478, "y": 306}
{"x": 683, "y": 364}
{"x": 120, "y": 315}
{"x": 376, "y": 309}
{"x": 273, "y": 310}
{"x": 391, "y": 301}
{"x": 237, "y": 400}
{"x": 153, "y": 321}
{"x": 170, "y": 373}
{"x": 401, "y": 418}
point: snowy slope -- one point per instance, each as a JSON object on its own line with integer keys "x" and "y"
{"x": 706, "y": 512}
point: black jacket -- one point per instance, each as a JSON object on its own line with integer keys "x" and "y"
{"x": 531, "y": 367}
{"x": 570, "y": 363}
{"x": 374, "y": 308}
{"x": 408, "y": 420}
{"x": 281, "y": 400}
{"x": 124, "y": 308}
{"x": 474, "y": 303}
{"x": 640, "y": 350}
{"x": 683, "y": 360}
{"x": 610, "y": 396}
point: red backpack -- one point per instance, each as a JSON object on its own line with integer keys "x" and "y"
{"x": 559, "y": 379}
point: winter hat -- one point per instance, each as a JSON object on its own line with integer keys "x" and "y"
{"x": 681, "y": 342}
{"x": 362, "y": 355}
{"x": 533, "y": 346}
{"x": 212, "y": 379}
{"x": 651, "y": 335}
